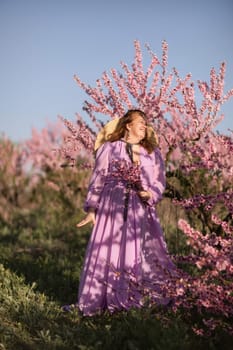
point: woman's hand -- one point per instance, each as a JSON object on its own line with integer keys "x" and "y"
{"x": 145, "y": 195}
{"x": 90, "y": 218}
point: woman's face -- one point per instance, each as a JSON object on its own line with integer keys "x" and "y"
{"x": 137, "y": 127}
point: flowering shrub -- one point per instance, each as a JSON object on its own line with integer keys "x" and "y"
{"x": 13, "y": 179}
{"x": 199, "y": 165}
{"x": 209, "y": 288}
{"x": 35, "y": 166}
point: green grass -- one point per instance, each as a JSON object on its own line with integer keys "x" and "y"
{"x": 30, "y": 320}
{"x": 40, "y": 261}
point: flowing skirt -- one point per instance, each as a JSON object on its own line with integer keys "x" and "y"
{"x": 125, "y": 255}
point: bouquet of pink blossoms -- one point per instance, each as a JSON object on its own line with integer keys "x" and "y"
{"x": 127, "y": 172}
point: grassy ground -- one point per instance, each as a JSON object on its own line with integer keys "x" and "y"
{"x": 40, "y": 260}
{"x": 31, "y": 320}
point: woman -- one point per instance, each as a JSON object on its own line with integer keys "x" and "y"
{"x": 126, "y": 254}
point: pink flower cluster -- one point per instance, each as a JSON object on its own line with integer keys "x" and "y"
{"x": 127, "y": 172}
{"x": 42, "y": 149}
{"x": 208, "y": 201}
{"x": 78, "y": 143}
{"x": 211, "y": 287}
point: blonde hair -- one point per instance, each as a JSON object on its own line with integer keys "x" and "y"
{"x": 150, "y": 140}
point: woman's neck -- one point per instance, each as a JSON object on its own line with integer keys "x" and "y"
{"x": 132, "y": 141}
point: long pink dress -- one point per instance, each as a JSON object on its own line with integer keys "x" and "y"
{"x": 126, "y": 249}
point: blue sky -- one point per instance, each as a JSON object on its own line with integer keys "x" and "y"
{"x": 45, "y": 42}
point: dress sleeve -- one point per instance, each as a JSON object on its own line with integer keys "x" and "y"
{"x": 157, "y": 178}
{"x": 98, "y": 177}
